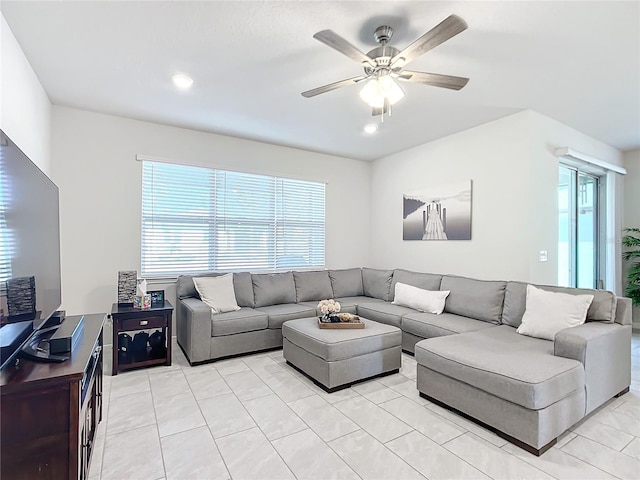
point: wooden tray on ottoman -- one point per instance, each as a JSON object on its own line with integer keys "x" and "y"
{"x": 340, "y": 325}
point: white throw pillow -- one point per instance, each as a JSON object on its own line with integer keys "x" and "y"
{"x": 546, "y": 313}
{"x": 217, "y": 292}
{"x": 429, "y": 301}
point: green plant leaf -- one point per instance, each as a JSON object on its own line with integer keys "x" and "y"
{"x": 631, "y": 254}
{"x": 632, "y": 241}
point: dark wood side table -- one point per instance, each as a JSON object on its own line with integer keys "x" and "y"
{"x": 129, "y": 319}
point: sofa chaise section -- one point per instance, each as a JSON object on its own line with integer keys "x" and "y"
{"x": 528, "y": 389}
{"x": 527, "y": 393}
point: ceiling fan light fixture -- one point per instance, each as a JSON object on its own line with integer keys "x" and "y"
{"x": 377, "y": 89}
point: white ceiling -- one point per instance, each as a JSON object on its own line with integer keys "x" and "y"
{"x": 576, "y": 62}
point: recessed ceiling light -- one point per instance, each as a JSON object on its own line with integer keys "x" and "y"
{"x": 370, "y": 128}
{"x": 182, "y": 81}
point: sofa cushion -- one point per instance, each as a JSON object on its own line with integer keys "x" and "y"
{"x": 602, "y": 308}
{"x": 346, "y": 283}
{"x": 312, "y": 286}
{"x": 335, "y": 345}
{"x": 241, "y": 284}
{"x": 244, "y": 289}
{"x": 350, "y": 304}
{"x": 428, "y": 325}
{"x": 278, "y": 314}
{"x": 217, "y": 293}
{"x": 243, "y": 320}
{"x": 377, "y": 283}
{"x": 426, "y": 281}
{"x": 273, "y": 288}
{"x": 480, "y": 299}
{"x": 516, "y": 368}
{"x": 383, "y": 312}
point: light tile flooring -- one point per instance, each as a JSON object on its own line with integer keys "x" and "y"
{"x": 255, "y": 417}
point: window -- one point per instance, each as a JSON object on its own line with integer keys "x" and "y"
{"x": 199, "y": 219}
{"x": 578, "y": 227}
{"x": 6, "y": 237}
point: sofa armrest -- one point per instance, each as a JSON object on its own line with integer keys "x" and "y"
{"x": 605, "y": 351}
{"x": 193, "y": 325}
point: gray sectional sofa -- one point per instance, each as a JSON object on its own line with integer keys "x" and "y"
{"x": 470, "y": 357}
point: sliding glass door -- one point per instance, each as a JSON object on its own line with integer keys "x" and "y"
{"x": 578, "y": 227}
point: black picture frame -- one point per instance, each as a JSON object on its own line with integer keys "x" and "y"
{"x": 157, "y": 298}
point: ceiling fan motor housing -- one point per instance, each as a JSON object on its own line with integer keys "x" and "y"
{"x": 383, "y": 34}
{"x": 382, "y": 56}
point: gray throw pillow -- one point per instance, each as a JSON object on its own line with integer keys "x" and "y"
{"x": 377, "y": 283}
{"x": 273, "y": 288}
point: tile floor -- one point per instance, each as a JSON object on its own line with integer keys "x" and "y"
{"x": 255, "y": 417}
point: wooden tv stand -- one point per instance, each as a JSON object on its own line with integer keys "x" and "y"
{"x": 50, "y": 411}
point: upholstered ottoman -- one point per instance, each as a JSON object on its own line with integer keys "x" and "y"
{"x": 336, "y": 358}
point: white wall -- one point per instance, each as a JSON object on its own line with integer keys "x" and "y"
{"x": 495, "y": 156}
{"x": 25, "y": 109}
{"x": 100, "y": 186}
{"x": 546, "y": 136}
{"x": 632, "y": 204}
{"x": 514, "y": 211}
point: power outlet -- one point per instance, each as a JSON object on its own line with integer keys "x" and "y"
{"x": 543, "y": 255}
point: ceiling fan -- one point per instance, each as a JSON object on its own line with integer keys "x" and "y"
{"x": 385, "y": 64}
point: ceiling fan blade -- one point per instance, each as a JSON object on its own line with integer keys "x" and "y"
{"x": 332, "y": 86}
{"x": 434, "y": 79}
{"x": 448, "y": 28}
{"x": 335, "y": 41}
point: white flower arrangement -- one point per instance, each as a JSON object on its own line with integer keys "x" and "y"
{"x": 328, "y": 307}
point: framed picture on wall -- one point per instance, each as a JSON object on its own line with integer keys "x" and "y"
{"x": 441, "y": 212}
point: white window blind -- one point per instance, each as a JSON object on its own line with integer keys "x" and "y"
{"x": 199, "y": 219}
{"x": 6, "y": 237}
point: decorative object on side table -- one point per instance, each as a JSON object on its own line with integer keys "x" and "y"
{"x": 21, "y": 295}
{"x": 157, "y": 298}
{"x": 127, "y": 282}
{"x": 142, "y": 299}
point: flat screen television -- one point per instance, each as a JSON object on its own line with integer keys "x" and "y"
{"x": 30, "y": 283}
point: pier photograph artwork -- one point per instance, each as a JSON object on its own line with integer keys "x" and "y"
{"x": 441, "y": 212}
